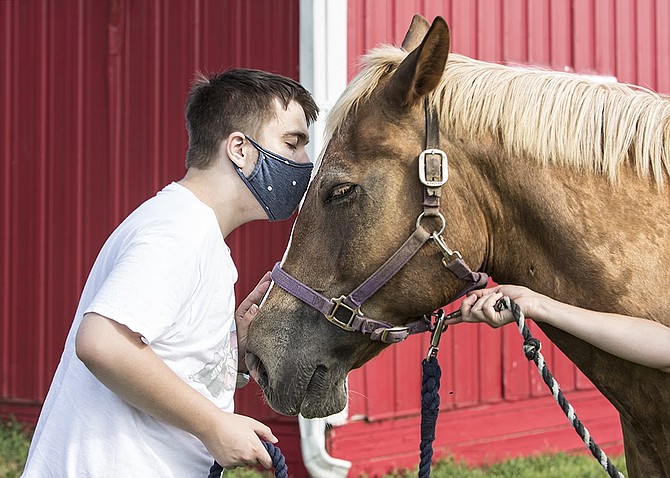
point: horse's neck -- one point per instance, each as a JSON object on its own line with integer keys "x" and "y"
{"x": 571, "y": 234}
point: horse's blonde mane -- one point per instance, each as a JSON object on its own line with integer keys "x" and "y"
{"x": 551, "y": 116}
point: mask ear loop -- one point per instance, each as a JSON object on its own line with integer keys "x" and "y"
{"x": 247, "y": 180}
{"x": 261, "y": 157}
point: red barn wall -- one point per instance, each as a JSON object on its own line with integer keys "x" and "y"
{"x": 494, "y": 403}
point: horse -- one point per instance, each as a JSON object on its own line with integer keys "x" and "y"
{"x": 555, "y": 182}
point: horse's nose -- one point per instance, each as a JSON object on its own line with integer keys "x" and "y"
{"x": 256, "y": 369}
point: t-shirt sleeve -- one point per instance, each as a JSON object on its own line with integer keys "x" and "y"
{"x": 151, "y": 281}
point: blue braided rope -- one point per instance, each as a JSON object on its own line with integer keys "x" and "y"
{"x": 278, "y": 463}
{"x": 531, "y": 348}
{"x": 430, "y": 407}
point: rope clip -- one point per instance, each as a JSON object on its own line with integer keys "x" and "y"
{"x": 436, "y": 335}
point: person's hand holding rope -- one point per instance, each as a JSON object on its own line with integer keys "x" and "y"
{"x": 479, "y": 305}
{"x": 631, "y": 338}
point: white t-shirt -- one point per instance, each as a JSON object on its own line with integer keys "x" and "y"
{"x": 167, "y": 274}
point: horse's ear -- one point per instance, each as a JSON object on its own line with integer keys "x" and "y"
{"x": 417, "y": 30}
{"x": 421, "y": 71}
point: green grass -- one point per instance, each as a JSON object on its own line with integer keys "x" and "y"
{"x": 545, "y": 466}
{"x": 14, "y": 441}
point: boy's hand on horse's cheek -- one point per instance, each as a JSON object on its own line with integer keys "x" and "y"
{"x": 244, "y": 318}
{"x": 254, "y": 297}
{"x": 251, "y": 313}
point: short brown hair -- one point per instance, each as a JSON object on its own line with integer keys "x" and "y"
{"x": 236, "y": 100}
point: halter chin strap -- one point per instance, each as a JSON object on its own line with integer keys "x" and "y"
{"x": 345, "y": 311}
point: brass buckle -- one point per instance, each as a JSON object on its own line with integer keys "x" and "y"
{"x": 339, "y": 302}
{"x": 385, "y": 333}
{"x": 444, "y": 168}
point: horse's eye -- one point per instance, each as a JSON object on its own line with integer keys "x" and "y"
{"x": 340, "y": 191}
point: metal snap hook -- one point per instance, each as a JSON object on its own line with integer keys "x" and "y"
{"x": 436, "y": 335}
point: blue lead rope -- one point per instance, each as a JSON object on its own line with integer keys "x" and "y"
{"x": 430, "y": 407}
{"x": 430, "y": 396}
{"x": 278, "y": 463}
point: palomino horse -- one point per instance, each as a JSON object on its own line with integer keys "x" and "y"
{"x": 555, "y": 182}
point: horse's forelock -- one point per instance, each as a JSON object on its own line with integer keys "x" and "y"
{"x": 551, "y": 116}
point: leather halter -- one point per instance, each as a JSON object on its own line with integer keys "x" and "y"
{"x": 345, "y": 311}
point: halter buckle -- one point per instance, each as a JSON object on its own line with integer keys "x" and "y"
{"x": 339, "y": 303}
{"x": 433, "y": 181}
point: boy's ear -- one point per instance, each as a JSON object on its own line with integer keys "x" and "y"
{"x": 236, "y": 149}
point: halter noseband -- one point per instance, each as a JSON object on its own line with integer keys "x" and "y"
{"x": 345, "y": 311}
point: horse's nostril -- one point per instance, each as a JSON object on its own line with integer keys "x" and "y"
{"x": 262, "y": 374}
{"x": 256, "y": 369}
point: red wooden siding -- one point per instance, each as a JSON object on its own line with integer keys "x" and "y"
{"x": 91, "y": 125}
{"x": 494, "y": 403}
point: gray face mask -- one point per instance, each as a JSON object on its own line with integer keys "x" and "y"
{"x": 278, "y": 183}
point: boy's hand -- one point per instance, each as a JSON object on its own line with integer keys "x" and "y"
{"x": 235, "y": 440}
{"x": 245, "y": 313}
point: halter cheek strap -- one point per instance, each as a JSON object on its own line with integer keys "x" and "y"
{"x": 345, "y": 317}
{"x": 345, "y": 311}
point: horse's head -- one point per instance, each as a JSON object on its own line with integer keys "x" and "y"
{"x": 363, "y": 204}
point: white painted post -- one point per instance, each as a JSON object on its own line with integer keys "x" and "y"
{"x": 323, "y": 71}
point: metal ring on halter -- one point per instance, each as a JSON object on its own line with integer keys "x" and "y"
{"x": 439, "y": 215}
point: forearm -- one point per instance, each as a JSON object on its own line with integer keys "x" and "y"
{"x": 135, "y": 373}
{"x": 129, "y": 368}
{"x": 631, "y": 338}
